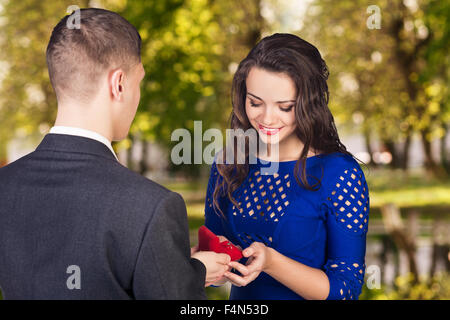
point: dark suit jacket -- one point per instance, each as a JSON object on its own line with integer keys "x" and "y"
{"x": 70, "y": 203}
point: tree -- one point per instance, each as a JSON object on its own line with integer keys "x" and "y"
{"x": 382, "y": 76}
{"x": 189, "y": 60}
{"x": 189, "y": 50}
{"x": 27, "y": 101}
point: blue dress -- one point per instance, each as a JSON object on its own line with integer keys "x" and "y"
{"x": 324, "y": 229}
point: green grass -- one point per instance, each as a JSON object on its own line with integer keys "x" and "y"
{"x": 415, "y": 189}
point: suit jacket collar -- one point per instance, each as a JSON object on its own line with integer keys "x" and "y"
{"x": 75, "y": 131}
{"x": 76, "y": 144}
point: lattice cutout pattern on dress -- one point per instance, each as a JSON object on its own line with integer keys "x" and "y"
{"x": 262, "y": 197}
{"x": 350, "y": 201}
{"x": 347, "y": 289}
{"x": 264, "y": 200}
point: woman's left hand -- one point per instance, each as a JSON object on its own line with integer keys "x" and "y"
{"x": 259, "y": 256}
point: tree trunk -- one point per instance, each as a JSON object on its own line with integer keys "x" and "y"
{"x": 130, "y": 164}
{"x": 404, "y": 161}
{"x": 390, "y": 146}
{"x": 443, "y": 150}
{"x": 440, "y": 251}
{"x": 393, "y": 223}
{"x": 430, "y": 165}
{"x": 143, "y": 166}
{"x": 369, "y": 149}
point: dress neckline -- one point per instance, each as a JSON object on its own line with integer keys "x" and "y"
{"x": 309, "y": 161}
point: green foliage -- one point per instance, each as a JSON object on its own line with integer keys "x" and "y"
{"x": 27, "y": 100}
{"x": 437, "y": 288}
{"x": 186, "y": 61}
{"x": 187, "y": 49}
{"x": 393, "y": 79}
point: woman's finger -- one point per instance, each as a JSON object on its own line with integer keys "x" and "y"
{"x": 254, "y": 264}
{"x": 241, "y": 281}
{"x": 235, "y": 279}
{"x": 239, "y": 267}
{"x": 248, "y": 252}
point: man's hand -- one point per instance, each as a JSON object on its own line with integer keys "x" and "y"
{"x": 221, "y": 280}
{"x": 216, "y": 264}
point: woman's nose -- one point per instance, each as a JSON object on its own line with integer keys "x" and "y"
{"x": 268, "y": 116}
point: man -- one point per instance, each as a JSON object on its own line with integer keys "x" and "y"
{"x": 75, "y": 223}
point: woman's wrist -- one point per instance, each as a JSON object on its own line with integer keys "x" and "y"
{"x": 270, "y": 257}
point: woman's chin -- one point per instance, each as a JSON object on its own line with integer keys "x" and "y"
{"x": 270, "y": 139}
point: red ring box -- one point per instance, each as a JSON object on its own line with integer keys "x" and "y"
{"x": 208, "y": 241}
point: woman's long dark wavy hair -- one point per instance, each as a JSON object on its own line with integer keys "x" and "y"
{"x": 289, "y": 54}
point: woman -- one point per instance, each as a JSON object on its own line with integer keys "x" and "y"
{"x": 303, "y": 229}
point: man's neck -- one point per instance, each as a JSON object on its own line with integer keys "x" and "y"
{"x": 98, "y": 122}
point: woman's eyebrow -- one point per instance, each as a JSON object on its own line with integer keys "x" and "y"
{"x": 263, "y": 100}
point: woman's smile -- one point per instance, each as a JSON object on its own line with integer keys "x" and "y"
{"x": 268, "y": 130}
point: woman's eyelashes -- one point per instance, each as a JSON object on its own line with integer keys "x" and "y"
{"x": 253, "y": 104}
{"x": 288, "y": 108}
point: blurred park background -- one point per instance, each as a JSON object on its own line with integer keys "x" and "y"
{"x": 389, "y": 77}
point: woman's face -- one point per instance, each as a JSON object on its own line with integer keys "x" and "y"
{"x": 270, "y": 104}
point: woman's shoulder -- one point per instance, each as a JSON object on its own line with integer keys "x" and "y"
{"x": 342, "y": 171}
{"x": 341, "y": 167}
{"x": 337, "y": 162}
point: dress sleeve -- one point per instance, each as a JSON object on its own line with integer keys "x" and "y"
{"x": 347, "y": 203}
{"x": 213, "y": 216}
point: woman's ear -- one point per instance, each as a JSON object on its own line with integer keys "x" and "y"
{"x": 116, "y": 84}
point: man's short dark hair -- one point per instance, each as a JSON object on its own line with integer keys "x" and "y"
{"x": 76, "y": 58}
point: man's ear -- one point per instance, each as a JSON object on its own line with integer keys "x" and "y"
{"x": 116, "y": 80}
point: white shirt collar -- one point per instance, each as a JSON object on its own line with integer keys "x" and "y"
{"x": 73, "y": 131}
